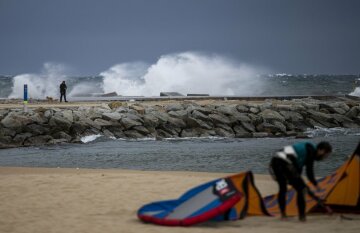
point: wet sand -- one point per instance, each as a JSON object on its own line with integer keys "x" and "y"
{"x": 43, "y": 200}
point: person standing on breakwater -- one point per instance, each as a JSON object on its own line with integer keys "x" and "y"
{"x": 286, "y": 168}
{"x": 63, "y": 88}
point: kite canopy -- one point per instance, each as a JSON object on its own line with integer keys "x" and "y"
{"x": 197, "y": 205}
{"x": 235, "y": 197}
{"x": 345, "y": 195}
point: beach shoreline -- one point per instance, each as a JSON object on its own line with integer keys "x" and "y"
{"x": 106, "y": 200}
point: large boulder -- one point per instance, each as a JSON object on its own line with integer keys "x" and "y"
{"x": 341, "y": 118}
{"x": 138, "y": 108}
{"x": 298, "y": 126}
{"x": 59, "y": 123}
{"x": 36, "y": 129}
{"x": 225, "y": 127}
{"x": 192, "y": 132}
{"x": 141, "y": 129}
{"x": 121, "y": 110}
{"x": 102, "y": 122}
{"x": 228, "y": 110}
{"x": 161, "y": 116}
{"x": 108, "y": 133}
{"x": 255, "y": 119}
{"x": 266, "y": 105}
{"x": 178, "y": 114}
{"x": 241, "y": 117}
{"x": 176, "y": 122}
{"x": 240, "y": 132}
{"x": 217, "y": 118}
{"x": 174, "y": 107}
{"x": 199, "y": 115}
{"x": 104, "y": 105}
{"x": 78, "y": 128}
{"x": 151, "y": 121}
{"x": 315, "y": 124}
{"x": 68, "y": 114}
{"x": 133, "y": 134}
{"x": 112, "y": 116}
{"x": 93, "y": 114}
{"x": 350, "y": 125}
{"x": 38, "y": 140}
{"x": 116, "y": 131}
{"x": 242, "y": 108}
{"x": 283, "y": 107}
{"x": 334, "y": 108}
{"x": 20, "y": 138}
{"x": 270, "y": 115}
{"x": 172, "y": 130}
{"x": 297, "y": 107}
{"x": 128, "y": 123}
{"x": 6, "y": 142}
{"x": 160, "y": 133}
{"x": 248, "y": 126}
{"x": 116, "y": 104}
{"x": 48, "y": 113}
{"x": 353, "y": 112}
{"x": 254, "y": 110}
{"x": 15, "y": 120}
{"x": 3, "y": 113}
{"x": 311, "y": 106}
{"x": 194, "y": 123}
{"x": 276, "y": 127}
{"x": 62, "y": 135}
{"x": 39, "y": 118}
{"x": 205, "y": 110}
{"x": 292, "y": 116}
{"x": 320, "y": 116}
{"x": 7, "y": 132}
{"x": 224, "y": 133}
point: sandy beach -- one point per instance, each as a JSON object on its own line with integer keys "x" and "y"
{"x": 93, "y": 200}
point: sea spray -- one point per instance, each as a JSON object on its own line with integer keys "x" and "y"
{"x": 40, "y": 85}
{"x": 356, "y": 92}
{"x": 47, "y": 82}
{"x": 187, "y": 72}
{"x": 90, "y": 138}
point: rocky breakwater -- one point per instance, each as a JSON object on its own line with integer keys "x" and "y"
{"x": 43, "y": 126}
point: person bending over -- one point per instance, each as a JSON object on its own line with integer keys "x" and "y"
{"x": 286, "y": 167}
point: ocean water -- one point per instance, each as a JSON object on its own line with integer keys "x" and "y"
{"x": 263, "y": 85}
{"x": 201, "y": 154}
{"x": 207, "y": 154}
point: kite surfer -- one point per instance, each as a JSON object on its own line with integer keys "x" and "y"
{"x": 286, "y": 167}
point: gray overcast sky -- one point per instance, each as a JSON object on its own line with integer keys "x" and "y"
{"x": 293, "y": 36}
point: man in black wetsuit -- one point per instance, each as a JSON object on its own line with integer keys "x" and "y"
{"x": 286, "y": 167}
{"x": 63, "y": 88}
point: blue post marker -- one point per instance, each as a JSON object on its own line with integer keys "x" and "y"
{"x": 25, "y": 97}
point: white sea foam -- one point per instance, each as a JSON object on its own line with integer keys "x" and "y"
{"x": 356, "y": 92}
{"x": 187, "y": 72}
{"x": 90, "y": 138}
{"x": 39, "y": 85}
{"x": 47, "y": 83}
{"x": 210, "y": 138}
{"x": 83, "y": 89}
{"x": 327, "y": 132}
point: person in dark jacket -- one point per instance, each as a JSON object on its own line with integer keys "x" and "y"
{"x": 286, "y": 167}
{"x": 63, "y": 88}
